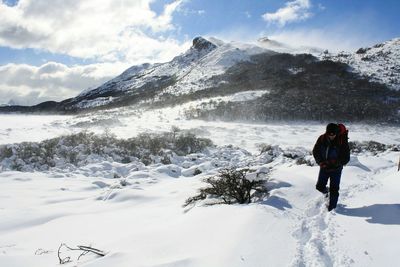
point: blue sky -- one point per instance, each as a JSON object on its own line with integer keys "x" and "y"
{"x": 53, "y": 49}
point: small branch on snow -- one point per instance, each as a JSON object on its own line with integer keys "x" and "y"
{"x": 84, "y": 249}
{"x": 41, "y": 251}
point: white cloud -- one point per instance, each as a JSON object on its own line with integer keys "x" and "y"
{"x": 333, "y": 39}
{"x": 115, "y": 33}
{"x": 293, "y": 11}
{"x": 192, "y": 12}
{"x": 106, "y": 30}
{"x": 29, "y": 85}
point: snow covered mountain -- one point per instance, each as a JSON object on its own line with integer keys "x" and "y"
{"x": 354, "y": 87}
{"x": 192, "y": 71}
{"x": 381, "y": 63}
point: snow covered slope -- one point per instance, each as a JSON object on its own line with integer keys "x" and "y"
{"x": 214, "y": 63}
{"x": 381, "y": 62}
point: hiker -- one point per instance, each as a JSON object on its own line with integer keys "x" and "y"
{"x": 331, "y": 152}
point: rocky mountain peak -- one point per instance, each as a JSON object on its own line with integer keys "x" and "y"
{"x": 199, "y": 43}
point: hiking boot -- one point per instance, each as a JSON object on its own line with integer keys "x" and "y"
{"x": 331, "y": 206}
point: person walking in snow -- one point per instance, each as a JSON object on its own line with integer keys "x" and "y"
{"x": 331, "y": 152}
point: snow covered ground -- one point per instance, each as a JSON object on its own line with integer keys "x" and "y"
{"x": 138, "y": 219}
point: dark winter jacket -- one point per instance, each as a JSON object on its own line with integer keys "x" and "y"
{"x": 332, "y": 154}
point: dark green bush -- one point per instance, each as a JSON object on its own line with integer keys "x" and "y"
{"x": 231, "y": 186}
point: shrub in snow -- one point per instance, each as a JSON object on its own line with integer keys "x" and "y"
{"x": 174, "y": 131}
{"x": 305, "y": 161}
{"x": 269, "y": 149}
{"x": 300, "y": 155}
{"x": 165, "y": 159}
{"x": 83, "y": 148}
{"x": 5, "y": 152}
{"x": 371, "y": 146}
{"x": 231, "y": 186}
{"x": 197, "y": 172}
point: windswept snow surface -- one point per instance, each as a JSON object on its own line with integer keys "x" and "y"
{"x": 31, "y": 128}
{"x": 138, "y": 219}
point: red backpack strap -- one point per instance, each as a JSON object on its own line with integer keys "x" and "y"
{"x": 343, "y": 134}
{"x": 342, "y": 128}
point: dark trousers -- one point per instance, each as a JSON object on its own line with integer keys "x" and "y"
{"x": 334, "y": 178}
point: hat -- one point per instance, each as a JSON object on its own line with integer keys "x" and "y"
{"x": 332, "y": 128}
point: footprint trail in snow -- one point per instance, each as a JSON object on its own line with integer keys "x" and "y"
{"x": 317, "y": 234}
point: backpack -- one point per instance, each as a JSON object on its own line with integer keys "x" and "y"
{"x": 343, "y": 134}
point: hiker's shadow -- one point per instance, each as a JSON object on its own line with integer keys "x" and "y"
{"x": 377, "y": 213}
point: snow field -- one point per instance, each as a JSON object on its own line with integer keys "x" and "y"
{"x": 139, "y": 220}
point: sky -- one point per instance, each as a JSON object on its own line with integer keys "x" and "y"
{"x": 54, "y": 49}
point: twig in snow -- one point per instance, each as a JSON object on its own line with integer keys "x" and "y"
{"x": 41, "y": 251}
{"x": 84, "y": 249}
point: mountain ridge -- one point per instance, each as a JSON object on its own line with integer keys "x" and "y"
{"x": 381, "y": 62}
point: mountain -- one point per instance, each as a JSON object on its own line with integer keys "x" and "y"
{"x": 380, "y": 63}
{"x": 186, "y": 73}
{"x": 293, "y": 86}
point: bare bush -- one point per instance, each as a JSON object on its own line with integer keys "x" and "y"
{"x": 231, "y": 186}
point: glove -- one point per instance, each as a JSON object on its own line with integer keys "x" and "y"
{"x": 323, "y": 164}
{"x": 333, "y": 164}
